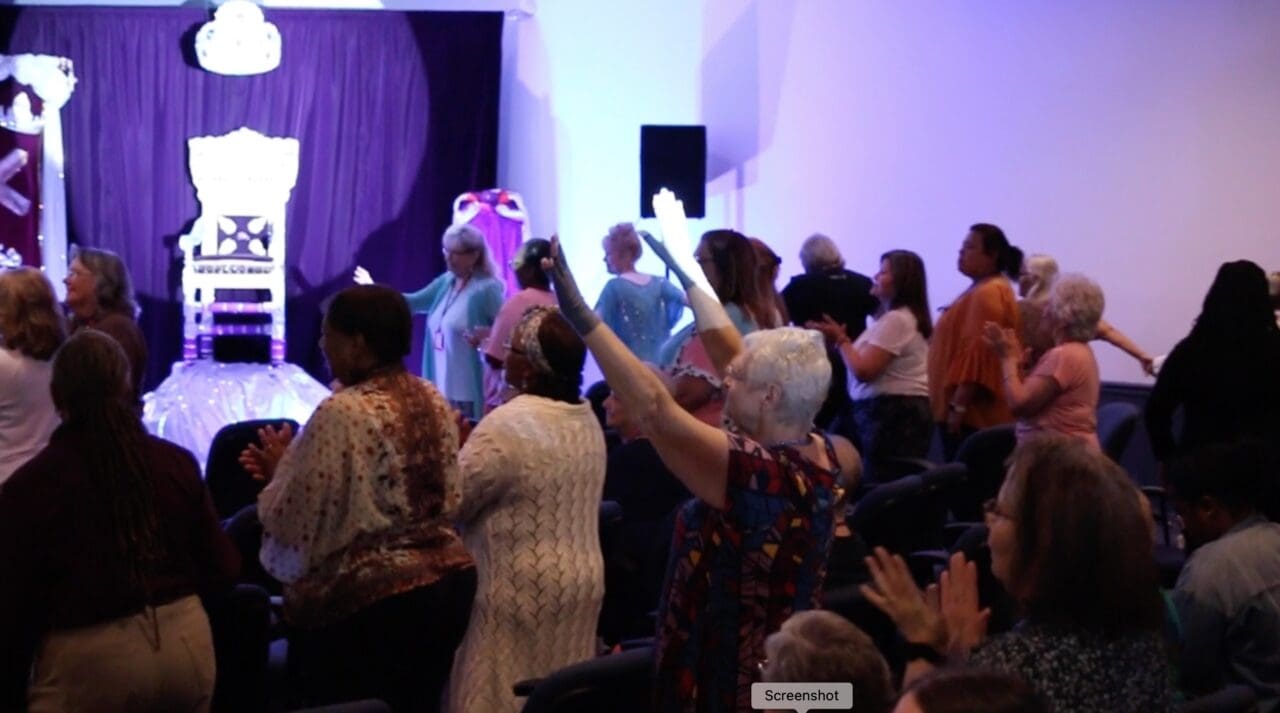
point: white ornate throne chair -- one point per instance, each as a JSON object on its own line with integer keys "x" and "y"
{"x": 233, "y": 276}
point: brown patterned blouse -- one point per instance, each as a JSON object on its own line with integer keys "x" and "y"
{"x": 355, "y": 512}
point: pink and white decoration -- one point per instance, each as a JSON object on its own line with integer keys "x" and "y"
{"x": 33, "y": 216}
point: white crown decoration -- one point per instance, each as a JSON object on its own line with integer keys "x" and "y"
{"x": 9, "y": 258}
{"x": 238, "y": 41}
{"x": 51, "y": 78}
{"x": 18, "y": 118}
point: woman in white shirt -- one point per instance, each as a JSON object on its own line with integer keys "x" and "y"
{"x": 889, "y": 365}
{"x": 31, "y": 330}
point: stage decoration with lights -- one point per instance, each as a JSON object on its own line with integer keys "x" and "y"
{"x": 33, "y": 216}
{"x": 500, "y": 215}
{"x": 233, "y": 286}
{"x": 233, "y": 272}
{"x": 238, "y": 41}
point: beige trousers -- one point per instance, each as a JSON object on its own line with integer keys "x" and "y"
{"x": 158, "y": 660}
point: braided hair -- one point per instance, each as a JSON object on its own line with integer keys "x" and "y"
{"x": 91, "y": 387}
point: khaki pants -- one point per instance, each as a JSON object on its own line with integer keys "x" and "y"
{"x": 158, "y": 660}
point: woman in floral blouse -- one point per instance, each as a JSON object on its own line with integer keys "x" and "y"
{"x": 377, "y": 584}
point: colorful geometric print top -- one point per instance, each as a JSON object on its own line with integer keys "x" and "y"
{"x": 736, "y": 574}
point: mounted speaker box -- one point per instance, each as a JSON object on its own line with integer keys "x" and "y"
{"x": 675, "y": 158}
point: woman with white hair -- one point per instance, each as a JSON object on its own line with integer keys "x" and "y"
{"x": 1034, "y": 282}
{"x": 1060, "y": 393}
{"x": 826, "y": 288}
{"x": 461, "y": 306}
{"x": 641, "y": 309}
{"x": 750, "y": 548}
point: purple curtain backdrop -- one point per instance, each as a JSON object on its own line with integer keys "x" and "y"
{"x": 397, "y": 113}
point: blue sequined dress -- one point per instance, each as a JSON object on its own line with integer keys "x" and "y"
{"x": 641, "y": 315}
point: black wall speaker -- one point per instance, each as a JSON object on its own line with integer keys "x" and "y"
{"x": 674, "y": 157}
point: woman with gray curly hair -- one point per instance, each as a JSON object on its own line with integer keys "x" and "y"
{"x": 100, "y": 295}
{"x": 461, "y": 306}
{"x": 1060, "y": 393}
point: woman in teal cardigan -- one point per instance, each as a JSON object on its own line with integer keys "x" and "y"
{"x": 460, "y": 306}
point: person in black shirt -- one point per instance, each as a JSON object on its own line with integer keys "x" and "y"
{"x": 826, "y": 287}
{"x": 1225, "y": 375}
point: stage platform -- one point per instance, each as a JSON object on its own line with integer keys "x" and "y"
{"x": 200, "y": 397}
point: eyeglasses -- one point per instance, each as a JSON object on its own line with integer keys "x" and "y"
{"x": 991, "y": 508}
{"x": 462, "y": 251}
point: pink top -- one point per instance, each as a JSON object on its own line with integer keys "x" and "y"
{"x": 509, "y": 316}
{"x": 503, "y": 325}
{"x": 1075, "y": 410}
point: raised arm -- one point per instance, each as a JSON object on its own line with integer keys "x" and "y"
{"x": 422, "y": 300}
{"x": 1108, "y": 333}
{"x": 696, "y": 453}
{"x": 719, "y": 337}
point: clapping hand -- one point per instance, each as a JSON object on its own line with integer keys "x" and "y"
{"x": 1000, "y": 339}
{"x": 917, "y": 614}
{"x": 361, "y": 276}
{"x": 260, "y": 459}
{"x": 946, "y": 616}
{"x": 965, "y": 621}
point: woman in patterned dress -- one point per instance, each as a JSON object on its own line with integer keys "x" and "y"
{"x": 1071, "y": 544}
{"x": 532, "y": 474}
{"x": 377, "y": 584}
{"x": 751, "y": 547}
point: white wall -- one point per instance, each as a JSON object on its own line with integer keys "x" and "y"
{"x": 1137, "y": 142}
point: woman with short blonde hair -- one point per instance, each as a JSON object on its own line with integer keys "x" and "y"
{"x": 31, "y": 330}
{"x": 640, "y": 308}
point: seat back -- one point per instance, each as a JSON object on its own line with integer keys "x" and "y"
{"x": 984, "y": 454}
{"x": 1232, "y": 699}
{"x": 896, "y": 516}
{"x": 370, "y": 705}
{"x": 942, "y": 487}
{"x": 618, "y": 683}
{"x": 231, "y": 486}
{"x": 1116, "y": 424}
{"x": 240, "y": 622}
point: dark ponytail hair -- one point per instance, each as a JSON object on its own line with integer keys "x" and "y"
{"x": 994, "y": 242}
